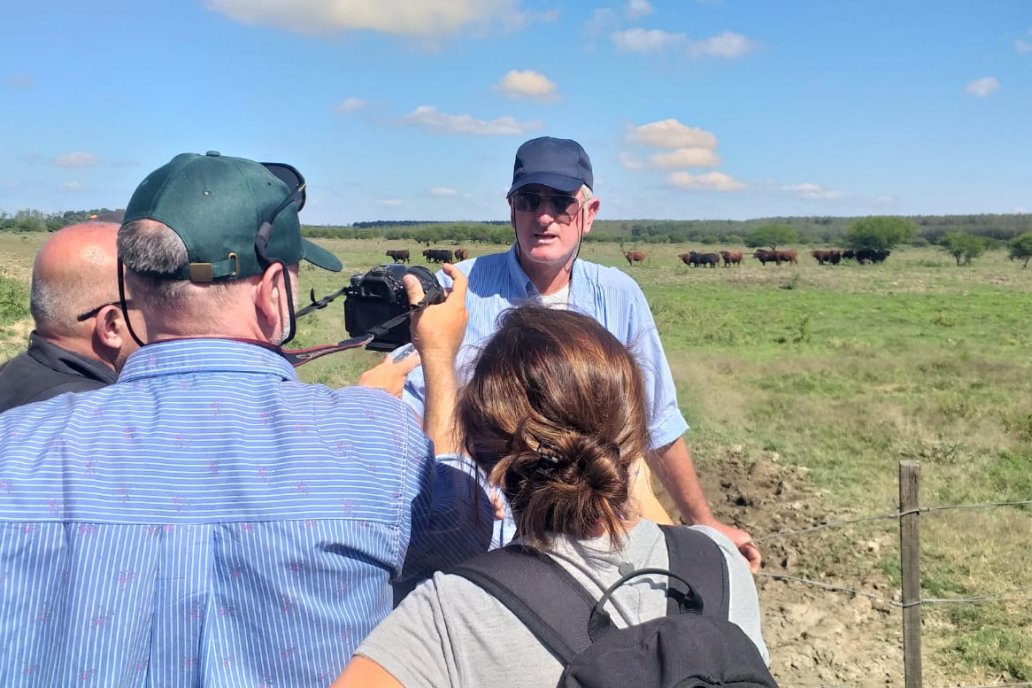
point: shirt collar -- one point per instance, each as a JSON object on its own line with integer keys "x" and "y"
{"x": 202, "y": 355}
{"x": 524, "y": 288}
{"x": 62, "y": 360}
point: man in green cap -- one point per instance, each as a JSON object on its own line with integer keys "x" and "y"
{"x": 209, "y": 519}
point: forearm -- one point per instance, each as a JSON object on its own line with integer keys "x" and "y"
{"x": 676, "y": 471}
{"x": 442, "y": 389}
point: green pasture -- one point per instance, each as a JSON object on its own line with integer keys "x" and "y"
{"x": 840, "y": 370}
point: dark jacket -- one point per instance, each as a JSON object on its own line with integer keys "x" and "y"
{"x": 45, "y": 371}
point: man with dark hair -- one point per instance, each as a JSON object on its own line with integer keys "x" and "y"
{"x": 209, "y": 519}
{"x": 551, "y": 208}
{"x": 79, "y": 342}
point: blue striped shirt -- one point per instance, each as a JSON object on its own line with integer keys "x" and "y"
{"x": 497, "y": 283}
{"x": 209, "y": 520}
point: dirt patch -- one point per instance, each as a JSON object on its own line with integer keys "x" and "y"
{"x": 816, "y": 636}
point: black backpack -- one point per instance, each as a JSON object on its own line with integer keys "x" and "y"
{"x": 693, "y": 646}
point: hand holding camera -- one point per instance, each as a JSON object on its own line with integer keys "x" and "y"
{"x": 437, "y": 331}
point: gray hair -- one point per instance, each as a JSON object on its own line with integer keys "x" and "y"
{"x": 49, "y": 304}
{"x": 150, "y": 250}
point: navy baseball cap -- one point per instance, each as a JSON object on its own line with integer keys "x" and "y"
{"x": 560, "y": 164}
{"x": 216, "y": 204}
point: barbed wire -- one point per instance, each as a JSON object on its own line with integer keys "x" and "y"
{"x": 980, "y": 599}
{"x": 828, "y": 586}
{"x": 1019, "y": 595}
{"x": 889, "y": 516}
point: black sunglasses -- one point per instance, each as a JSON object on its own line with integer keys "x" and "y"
{"x": 290, "y": 176}
{"x": 94, "y": 312}
{"x": 561, "y": 205}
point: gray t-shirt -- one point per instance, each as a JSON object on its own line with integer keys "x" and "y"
{"x": 451, "y": 633}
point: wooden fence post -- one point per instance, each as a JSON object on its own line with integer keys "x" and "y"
{"x": 910, "y": 569}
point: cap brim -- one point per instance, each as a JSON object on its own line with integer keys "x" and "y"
{"x": 559, "y": 182}
{"x": 320, "y": 257}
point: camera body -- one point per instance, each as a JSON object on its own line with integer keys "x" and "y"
{"x": 379, "y": 295}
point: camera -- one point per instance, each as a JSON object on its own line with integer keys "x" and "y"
{"x": 375, "y": 298}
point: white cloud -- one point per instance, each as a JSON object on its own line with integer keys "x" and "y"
{"x": 426, "y": 18}
{"x": 727, "y": 44}
{"x": 645, "y": 40}
{"x": 526, "y": 84}
{"x": 76, "y": 160}
{"x": 1022, "y": 46}
{"x": 669, "y": 133}
{"x": 638, "y": 8}
{"x": 986, "y": 86}
{"x": 389, "y": 202}
{"x": 811, "y": 191}
{"x": 711, "y": 181}
{"x": 443, "y": 192}
{"x": 71, "y": 186}
{"x": 630, "y": 162}
{"x": 685, "y": 157}
{"x": 431, "y": 119}
{"x": 350, "y": 105}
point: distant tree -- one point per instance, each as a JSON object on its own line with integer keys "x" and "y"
{"x": 733, "y": 240}
{"x": 962, "y": 246}
{"x": 1021, "y": 248}
{"x": 919, "y": 242}
{"x": 772, "y": 236}
{"x": 879, "y": 233}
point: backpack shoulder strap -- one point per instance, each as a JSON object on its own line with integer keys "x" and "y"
{"x": 696, "y": 557}
{"x": 541, "y": 593}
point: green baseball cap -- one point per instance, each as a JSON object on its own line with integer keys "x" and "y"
{"x": 217, "y": 204}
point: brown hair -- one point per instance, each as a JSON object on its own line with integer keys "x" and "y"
{"x": 555, "y": 415}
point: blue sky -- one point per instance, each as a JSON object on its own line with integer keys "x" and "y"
{"x": 413, "y": 109}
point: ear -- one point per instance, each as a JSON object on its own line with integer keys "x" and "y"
{"x": 270, "y": 301}
{"x": 590, "y": 211}
{"x": 109, "y": 327}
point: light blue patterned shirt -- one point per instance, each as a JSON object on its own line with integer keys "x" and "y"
{"x": 497, "y": 283}
{"x": 209, "y": 520}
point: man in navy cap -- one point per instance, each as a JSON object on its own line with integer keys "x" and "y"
{"x": 209, "y": 519}
{"x": 551, "y": 208}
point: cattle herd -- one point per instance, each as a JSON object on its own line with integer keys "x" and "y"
{"x": 431, "y": 255}
{"x": 695, "y": 259}
{"x": 823, "y": 256}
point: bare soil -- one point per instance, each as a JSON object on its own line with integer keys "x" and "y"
{"x": 816, "y": 636}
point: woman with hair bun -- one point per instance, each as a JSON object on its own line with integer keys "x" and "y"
{"x": 555, "y": 417}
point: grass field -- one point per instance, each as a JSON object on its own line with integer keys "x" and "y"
{"x": 838, "y": 370}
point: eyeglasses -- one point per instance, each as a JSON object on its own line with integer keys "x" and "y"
{"x": 94, "y": 312}
{"x": 561, "y": 206}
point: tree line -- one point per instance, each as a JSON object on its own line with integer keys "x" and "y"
{"x": 964, "y": 237}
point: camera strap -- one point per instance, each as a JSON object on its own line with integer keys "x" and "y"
{"x": 298, "y": 357}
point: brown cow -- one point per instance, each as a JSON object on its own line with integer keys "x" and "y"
{"x": 787, "y": 255}
{"x": 398, "y": 255}
{"x": 461, "y": 254}
{"x": 635, "y": 257}
{"x": 824, "y": 256}
{"x": 777, "y": 257}
{"x": 695, "y": 259}
{"x": 437, "y": 255}
{"x": 731, "y": 257}
{"x": 764, "y": 256}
